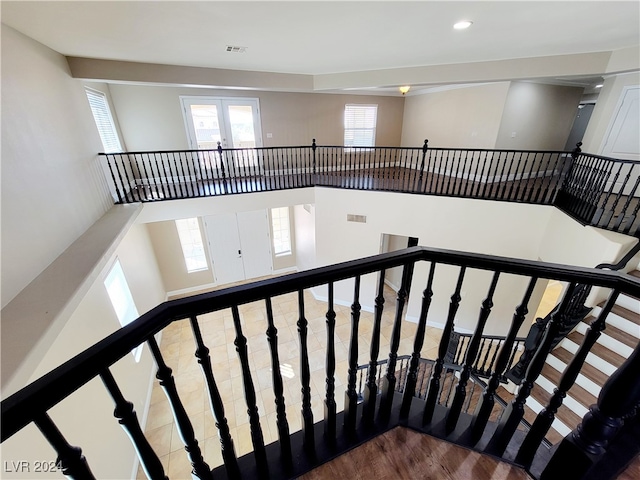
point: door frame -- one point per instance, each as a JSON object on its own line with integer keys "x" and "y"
{"x": 223, "y": 118}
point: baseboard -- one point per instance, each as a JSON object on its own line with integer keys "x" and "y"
{"x": 197, "y": 288}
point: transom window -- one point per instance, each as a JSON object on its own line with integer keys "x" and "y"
{"x": 192, "y": 246}
{"x": 104, "y": 121}
{"x": 360, "y": 125}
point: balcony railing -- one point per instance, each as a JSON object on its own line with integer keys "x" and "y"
{"x": 598, "y": 191}
{"x": 373, "y": 412}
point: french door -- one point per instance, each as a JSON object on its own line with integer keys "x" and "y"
{"x": 234, "y": 122}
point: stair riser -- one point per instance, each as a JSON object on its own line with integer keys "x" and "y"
{"x": 592, "y": 359}
{"x": 620, "y": 322}
{"x": 557, "y": 425}
{"x": 590, "y": 386}
{"x": 571, "y": 403}
{"x": 607, "y": 341}
{"x": 629, "y": 303}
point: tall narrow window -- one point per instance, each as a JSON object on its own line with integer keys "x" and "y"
{"x": 121, "y": 299}
{"x": 281, "y": 231}
{"x": 192, "y": 247}
{"x": 104, "y": 121}
{"x": 360, "y": 125}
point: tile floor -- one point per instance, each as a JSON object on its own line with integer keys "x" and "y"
{"x": 178, "y": 349}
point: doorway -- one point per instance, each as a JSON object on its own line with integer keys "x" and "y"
{"x": 240, "y": 245}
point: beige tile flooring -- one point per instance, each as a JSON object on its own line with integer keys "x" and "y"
{"x": 178, "y": 349}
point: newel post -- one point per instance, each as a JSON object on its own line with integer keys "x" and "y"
{"x": 425, "y": 147}
{"x": 313, "y": 150}
{"x": 586, "y": 445}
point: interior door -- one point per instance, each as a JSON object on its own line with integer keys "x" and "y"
{"x": 622, "y": 137}
{"x": 225, "y": 248}
{"x": 256, "y": 243}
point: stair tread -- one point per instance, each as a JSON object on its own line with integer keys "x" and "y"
{"x": 588, "y": 370}
{"x": 621, "y": 336}
{"x": 552, "y": 434}
{"x": 635, "y": 273}
{"x": 564, "y": 413}
{"x": 598, "y": 350}
{"x": 624, "y": 313}
{"x": 585, "y": 398}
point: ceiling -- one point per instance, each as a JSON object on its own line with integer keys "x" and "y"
{"x": 314, "y": 38}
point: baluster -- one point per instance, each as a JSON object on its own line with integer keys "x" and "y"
{"x": 127, "y": 417}
{"x": 515, "y": 349}
{"x": 514, "y": 412}
{"x": 546, "y": 416}
{"x": 412, "y": 376}
{"x": 483, "y": 345}
{"x": 598, "y": 217}
{"x": 505, "y": 358}
{"x": 465, "y": 408}
{"x": 489, "y": 370}
{"x": 466, "y": 176}
{"x": 618, "y": 196}
{"x": 70, "y": 460}
{"x": 632, "y": 220}
{"x": 486, "y": 357}
{"x": 371, "y": 387}
{"x": 436, "y": 372}
{"x": 589, "y": 441}
{"x": 278, "y": 388}
{"x": 111, "y": 162}
{"x": 630, "y": 197}
{"x": 257, "y": 438}
{"x": 215, "y": 402}
{"x": 146, "y": 178}
{"x": 470, "y": 357}
{"x": 389, "y": 381}
{"x": 305, "y": 378}
{"x": 502, "y": 179}
{"x": 330, "y": 402}
{"x": 531, "y": 176}
{"x": 126, "y": 182}
{"x": 185, "y": 429}
{"x": 351, "y": 397}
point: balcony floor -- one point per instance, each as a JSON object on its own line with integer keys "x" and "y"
{"x": 402, "y": 453}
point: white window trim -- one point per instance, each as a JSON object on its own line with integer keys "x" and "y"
{"x": 184, "y": 246}
{"x": 104, "y": 121}
{"x": 114, "y": 275}
{"x": 372, "y": 129}
{"x": 273, "y": 234}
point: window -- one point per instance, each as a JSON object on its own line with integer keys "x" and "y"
{"x": 121, "y": 299}
{"x": 360, "y": 125}
{"x": 104, "y": 121}
{"x": 192, "y": 247}
{"x": 281, "y": 231}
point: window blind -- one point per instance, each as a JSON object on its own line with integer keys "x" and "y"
{"x": 104, "y": 121}
{"x": 360, "y": 125}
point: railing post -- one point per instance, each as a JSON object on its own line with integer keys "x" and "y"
{"x": 586, "y": 445}
{"x": 313, "y": 150}
{"x": 371, "y": 386}
{"x": 224, "y": 175}
{"x": 425, "y": 147}
{"x": 351, "y": 396}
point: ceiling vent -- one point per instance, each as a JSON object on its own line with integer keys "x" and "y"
{"x": 236, "y": 49}
{"x": 356, "y": 218}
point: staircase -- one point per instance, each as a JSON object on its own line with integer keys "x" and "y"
{"x": 613, "y": 347}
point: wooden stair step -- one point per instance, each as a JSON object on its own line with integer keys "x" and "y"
{"x": 635, "y": 273}
{"x": 623, "y": 337}
{"x": 576, "y": 391}
{"x": 564, "y": 413}
{"x": 598, "y": 350}
{"x": 588, "y": 370}
{"x": 624, "y": 313}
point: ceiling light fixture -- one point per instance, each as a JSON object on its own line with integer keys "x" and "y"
{"x": 404, "y": 89}
{"x": 462, "y": 25}
{"x": 599, "y": 86}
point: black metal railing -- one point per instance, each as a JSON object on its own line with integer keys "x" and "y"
{"x": 362, "y": 418}
{"x": 594, "y": 190}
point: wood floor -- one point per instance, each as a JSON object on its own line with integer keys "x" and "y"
{"x": 402, "y": 454}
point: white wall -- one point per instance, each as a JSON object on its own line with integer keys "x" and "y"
{"x": 497, "y": 228}
{"x": 86, "y": 417}
{"x": 50, "y": 170}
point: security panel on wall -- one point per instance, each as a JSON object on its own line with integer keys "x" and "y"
{"x": 239, "y": 244}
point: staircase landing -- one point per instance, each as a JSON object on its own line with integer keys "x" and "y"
{"x": 402, "y": 453}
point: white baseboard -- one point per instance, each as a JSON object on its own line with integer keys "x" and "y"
{"x": 197, "y": 288}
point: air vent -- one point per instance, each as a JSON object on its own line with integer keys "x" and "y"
{"x": 236, "y": 49}
{"x": 356, "y": 218}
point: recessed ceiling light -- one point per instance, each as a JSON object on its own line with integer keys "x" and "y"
{"x": 599, "y": 86}
{"x": 462, "y": 25}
